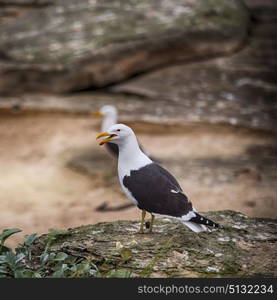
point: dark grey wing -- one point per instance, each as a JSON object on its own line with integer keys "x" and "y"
{"x": 113, "y": 149}
{"x": 157, "y": 191}
{"x": 170, "y": 177}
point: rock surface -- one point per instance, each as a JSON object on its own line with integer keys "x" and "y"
{"x": 11, "y": 9}
{"x": 245, "y": 247}
{"x": 259, "y": 115}
{"x": 238, "y": 89}
{"x": 25, "y": 2}
{"x": 74, "y": 45}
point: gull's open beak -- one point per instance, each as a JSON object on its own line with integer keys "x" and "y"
{"x": 105, "y": 134}
{"x": 97, "y": 114}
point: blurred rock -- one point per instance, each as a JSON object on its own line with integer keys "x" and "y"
{"x": 76, "y": 45}
{"x": 240, "y": 89}
{"x": 252, "y": 175}
{"x": 245, "y": 247}
{"x": 260, "y": 3}
{"x": 11, "y": 9}
{"x": 25, "y": 2}
{"x": 157, "y": 111}
{"x": 262, "y": 151}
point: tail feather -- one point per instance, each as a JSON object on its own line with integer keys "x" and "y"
{"x": 195, "y": 227}
{"x": 198, "y": 219}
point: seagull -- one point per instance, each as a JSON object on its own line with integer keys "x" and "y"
{"x": 109, "y": 114}
{"x": 148, "y": 185}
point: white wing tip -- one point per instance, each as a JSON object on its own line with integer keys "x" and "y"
{"x": 196, "y": 227}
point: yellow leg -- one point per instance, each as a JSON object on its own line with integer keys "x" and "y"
{"x": 143, "y": 213}
{"x": 151, "y": 223}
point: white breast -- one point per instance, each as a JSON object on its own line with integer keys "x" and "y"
{"x": 128, "y": 193}
{"x": 125, "y": 167}
{"x": 130, "y": 158}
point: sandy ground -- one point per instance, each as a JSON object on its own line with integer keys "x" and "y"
{"x": 39, "y": 191}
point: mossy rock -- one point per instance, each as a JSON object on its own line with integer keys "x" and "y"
{"x": 244, "y": 247}
{"x": 238, "y": 89}
{"x": 73, "y": 45}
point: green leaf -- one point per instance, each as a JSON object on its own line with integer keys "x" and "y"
{"x": 71, "y": 260}
{"x": 37, "y": 275}
{"x": 10, "y": 259}
{"x": 52, "y": 255}
{"x": 7, "y": 233}
{"x": 29, "y": 239}
{"x": 19, "y": 257}
{"x": 60, "y": 272}
{"x": 3, "y": 270}
{"x": 121, "y": 273}
{"x": 93, "y": 265}
{"x": 73, "y": 269}
{"x": 83, "y": 268}
{"x": 4, "y": 249}
{"x": 44, "y": 258}
{"x": 93, "y": 272}
{"x": 60, "y": 256}
{"x": 28, "y": 274}
{"x": 18, "y": 274}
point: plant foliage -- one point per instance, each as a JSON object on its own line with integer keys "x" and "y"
{"x": 22, "y": 263}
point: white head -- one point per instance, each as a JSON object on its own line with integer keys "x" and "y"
{"x": 109, "y": 115}
{"x": 108, "y": 110}
{"x": 118, "y": 134}
{"x": 130, "y": 154}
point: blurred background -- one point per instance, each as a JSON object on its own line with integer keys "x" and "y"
{"x": 195, "y": 79}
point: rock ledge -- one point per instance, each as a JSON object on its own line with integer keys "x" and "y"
{"x": 246, "y": 247}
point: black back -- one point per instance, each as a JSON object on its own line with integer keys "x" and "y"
{"x": 151, "y": 186}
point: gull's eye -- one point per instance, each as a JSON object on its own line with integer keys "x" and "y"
{"x": 118, "y": 130}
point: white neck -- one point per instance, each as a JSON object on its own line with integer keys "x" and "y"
{"x": 108, "y": 121}
{"x": 131, "y": 157}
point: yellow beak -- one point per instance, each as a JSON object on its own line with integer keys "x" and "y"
{"x": 97, "y": 114}
{"x": 103, "y": 134}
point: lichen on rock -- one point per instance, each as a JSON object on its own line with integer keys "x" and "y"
{"x": 244, "y": 247}
{"x": 73, "y": 45}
